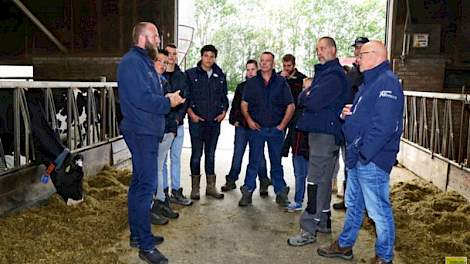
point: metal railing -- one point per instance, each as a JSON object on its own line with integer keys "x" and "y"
{"x": 100, "y": 119}
{"x": 439, "y": 123}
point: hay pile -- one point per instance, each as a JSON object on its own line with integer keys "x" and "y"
{"x": 57, "y": 233}
{"x": 430, "y": 224}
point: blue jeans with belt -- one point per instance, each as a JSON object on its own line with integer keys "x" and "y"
{"x": 368, "y": 188}
{"x": 274, "y": 138}
{"x": 144, "y": 151}
{"x": 241, "y": 140}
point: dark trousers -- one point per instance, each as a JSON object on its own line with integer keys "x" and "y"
{"x": 204, "y": 137}
{"x": 144, "y": 150}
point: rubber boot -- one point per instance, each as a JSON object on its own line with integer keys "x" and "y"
{"x": 282, "y": 198}
{"x": 229, "y": 184}
{"x": 195, "y": 181}
{"x": 211, "y": 190}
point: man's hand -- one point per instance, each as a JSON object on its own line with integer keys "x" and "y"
{"x": 253, "y": 125}
{"x": 236, "y": 124}
{"x": 280, "y": 128}
{"x": 195, "y": 118}
{"x": 220, "y": 117}
{"x": 284, "y": 74}
{"x": 346, "y": 111}
{"x": 175, "y": 98}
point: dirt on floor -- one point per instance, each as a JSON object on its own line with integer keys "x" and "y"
{"x": 430, "y": 224}
{"x": 85, "y": 233}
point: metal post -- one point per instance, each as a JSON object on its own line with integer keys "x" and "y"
{"x": 16, "y": 126}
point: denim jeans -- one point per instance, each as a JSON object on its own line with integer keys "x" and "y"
{"x": 175, "y": 161}
{"x": 274, "y": 137}
{"x": 300, "y": 173}
{"x": 204, "y": 136}
{"x": 144, "y": 151}
{"x": 163, "y": 149}
{"x": 368, "y": 188}
{"x": 241, "y": 140}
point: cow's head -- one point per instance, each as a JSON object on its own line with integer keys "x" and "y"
{"x": 68, "y": 179}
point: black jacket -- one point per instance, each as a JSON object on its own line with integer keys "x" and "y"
{"x": 355, "y": 78}
{"x": 236, "y": 111}
{"x": 178, "y": 81}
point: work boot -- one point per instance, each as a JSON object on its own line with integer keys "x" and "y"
{"x": 152, "y": 256}
{"x": 195, "y": 181}
{"x": 281, "y": 197}
{"x": 211, "y": 190}
{"x": 335, "y": 251}
{"x": 246, "y": 197}
{"x": 164, "y": 209}
{"x": 339, "y": 206}
{"x": 302, "y": 239}
{"x": 158, "y": 219}
{"x": 229, "y": 184}
{"x": 177, "y": 197}
{"x": 377, "y": 260}
{"x": 134, "y": 242}
{"x": 263, "y": 186}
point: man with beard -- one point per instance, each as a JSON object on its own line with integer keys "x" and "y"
{"x": 208, "y": 104}
{"x": 143, "y": 108}
{"x": 322, "y": 103}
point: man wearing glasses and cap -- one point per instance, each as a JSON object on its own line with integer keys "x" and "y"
{"x": 355, "y": 79}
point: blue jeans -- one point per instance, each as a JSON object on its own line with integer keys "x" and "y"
{"x": 241, "y": 140}
{"x": 368, "y": 188}
{"x": 204, "y": 136}
{"x": 300, "y": 172}
{"x": 144, "y": 151}
{"x": 274, "y": 137}
{"x": 175, "y": 161}
{"x": 163, "y": 149}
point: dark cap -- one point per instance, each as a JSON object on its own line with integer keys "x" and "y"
{"x": 360, "y": 41}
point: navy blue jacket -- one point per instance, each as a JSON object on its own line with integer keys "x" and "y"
{"x": 267, "y": 104}
{"x": 174, "y": 117}
{"x": 374, "y": 129}
{"x": 143, "y": 105}
{"x": 207, "y": 96}
{"x": 323, "y": 101}
{"x": 236, "y": 111}
{"x": 177, "y": 80}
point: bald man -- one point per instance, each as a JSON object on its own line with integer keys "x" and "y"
{"x": 143, "y": 107}
{"x": 373, "y": 126}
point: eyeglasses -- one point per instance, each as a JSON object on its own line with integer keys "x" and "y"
{"x": 365, "y": 52}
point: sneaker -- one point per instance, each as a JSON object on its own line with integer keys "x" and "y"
{"x": 177, "y": 197}
{"x": 158, "y": 219}
{"x": 339, "y": 206}
{"x": 229, "y": 184}
{"x": 152, "y": 256}
{"x": 301, "y": 239}
{"x": 134, "y": 242}
{"x": 377, "y": 260}
{"x": 294, "y": 207}
{"x": 335, "y": 251}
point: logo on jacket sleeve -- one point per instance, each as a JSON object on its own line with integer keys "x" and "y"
{"x": 387, "y": 94}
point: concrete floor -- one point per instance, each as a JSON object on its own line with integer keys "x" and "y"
{"x": 218, "y": 231}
